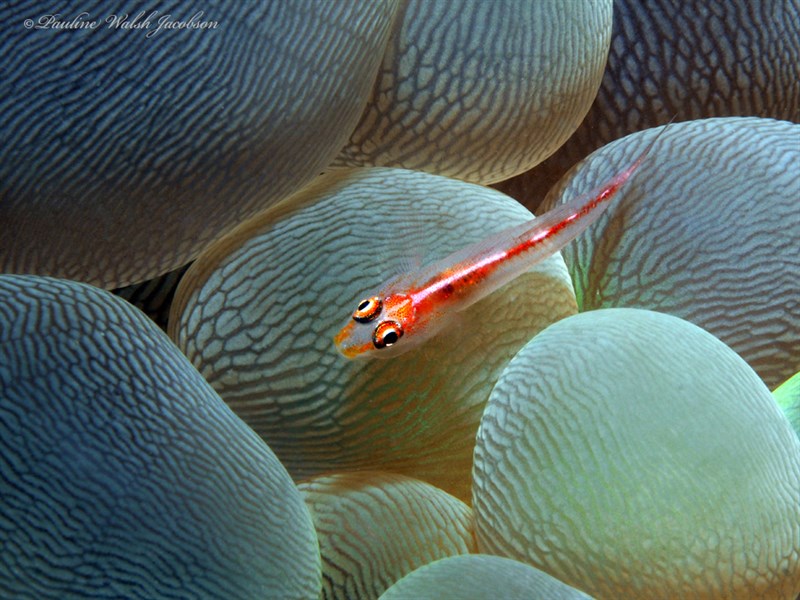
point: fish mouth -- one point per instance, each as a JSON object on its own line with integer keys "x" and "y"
{"x": 340, "y": 339}
{"x": 345, "y": 347}
{"x": 346, "y": 350}
{"x": 351, "y": 351}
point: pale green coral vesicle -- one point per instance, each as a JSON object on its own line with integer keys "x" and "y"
{"x": 787, "y": 395}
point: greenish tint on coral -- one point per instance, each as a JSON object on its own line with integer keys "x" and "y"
{"x": 707, "y": 231}
{"x": 787, "y": 395}
{"x": 633, "y": 455}
{"x": 480, "y": 577}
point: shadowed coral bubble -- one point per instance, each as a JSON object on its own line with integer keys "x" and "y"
{"x": 122, "y": 473}
{"x": 481, "y": 90}
{"x": 684, "y": 60}
{"x": 126, "y": 151}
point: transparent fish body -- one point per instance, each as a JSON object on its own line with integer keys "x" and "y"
{"x": 410, "y": 308}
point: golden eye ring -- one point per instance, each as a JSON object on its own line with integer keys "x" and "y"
{"x": 386, "y": 334}
{"x": 368, "y": 309}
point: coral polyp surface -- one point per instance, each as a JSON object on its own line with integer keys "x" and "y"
{"x": 257, "y": 313}
{"x": 633, "y": 455}
{"x": 122, "y": 473}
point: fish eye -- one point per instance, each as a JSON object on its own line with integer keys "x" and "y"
{"x": 368, "y": 309}
{"x": 386, "y": 334}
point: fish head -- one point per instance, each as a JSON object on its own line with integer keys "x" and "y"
{"x": 380, "y": 327}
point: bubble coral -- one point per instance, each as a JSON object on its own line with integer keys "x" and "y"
{"x": 480, "y": 577}
{"x": 122, "y": 473}
{"x": 375, "y": 527}
{"x": 257, "y": 312}
{"x": 631, "y": 454}
{"x": 124, "y": 156}
{"x": 125, "y": 152}
{"x": 482, "y": 90}
{"x": 708, "y": 232}
{"x": 688, "y": 60}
